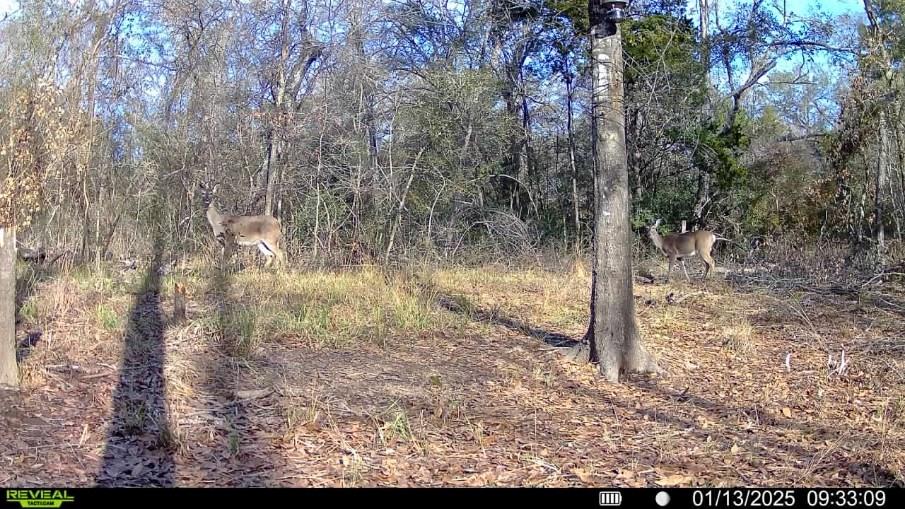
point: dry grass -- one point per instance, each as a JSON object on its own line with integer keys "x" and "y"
{"x": 317, "y": 309}
{"x": 361, "y": 378}
{"x": 739, "y": 337}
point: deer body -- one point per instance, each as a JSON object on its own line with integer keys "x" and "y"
{"x": 263, "y": 231}
{"x": 678, "y": 246}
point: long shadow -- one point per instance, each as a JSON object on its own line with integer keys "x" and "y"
{"x": 462, "y": 305}
{"x": 140, "y": 444}
{"x": 245, "y": 450}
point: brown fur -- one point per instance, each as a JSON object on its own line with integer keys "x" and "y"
{"x": 678, "y": 246}
{"x": 262, "y": 231}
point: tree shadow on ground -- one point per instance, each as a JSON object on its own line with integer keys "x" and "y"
{"x": 461, "y": 305}
{"x": 230, "y": 405}
{"x": 140, "y": 444}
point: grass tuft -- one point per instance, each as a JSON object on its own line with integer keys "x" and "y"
{"x": 106, "y": 318}
{"x": 394, "y": 425}
{"x": 237, "y": 330}
{"x": 738, "y": 337}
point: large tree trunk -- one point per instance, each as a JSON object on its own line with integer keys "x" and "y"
{"x": 9, "y": 370}
{"x": 613, "y": 336}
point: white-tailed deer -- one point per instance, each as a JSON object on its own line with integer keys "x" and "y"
{"x": 262, "y": 231}
{"x": 678, "y": 246}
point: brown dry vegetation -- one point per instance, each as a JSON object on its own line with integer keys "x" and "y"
{"x": 442, "y": 376}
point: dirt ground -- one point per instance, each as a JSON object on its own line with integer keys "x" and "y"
{"x": 118, "y": 394}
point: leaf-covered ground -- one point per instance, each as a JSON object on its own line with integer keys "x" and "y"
{"x": 447, "y": 377}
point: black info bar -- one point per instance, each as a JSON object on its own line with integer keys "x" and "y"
{"x": 552, "y": 498}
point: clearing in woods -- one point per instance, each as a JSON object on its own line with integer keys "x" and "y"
{"x": 445, "y": 377}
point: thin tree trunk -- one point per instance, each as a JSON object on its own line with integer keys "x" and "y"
{"x": 880, "y": 187}
{"x": 574, "y": 167}
{"x": 702, "y": 199}
{"x": 317, "y": 221}
{"x": 86, "y": 217}
{"x": 278, "y": 184}
{"x": 613, "y": 336}
{"x": 9, "y": 369}
{"x": 898, "y": 204}
{"x": 273, "y": 153}
{"x": 527, "y": 166}
{"x": 704, "y": 13}
{"x": 398, "y": 220}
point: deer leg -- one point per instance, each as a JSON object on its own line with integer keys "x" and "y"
{"x": 669, "y": 268}
{"x": 281, "y": 257}
{"x": 268, "y": 255}
{"x": 685, "y": 270}
{"x": 279, "y": 254}
{"x": 270, "y": 252}
{"x": 708, "y": 261}
{"x": 227, "y": 252}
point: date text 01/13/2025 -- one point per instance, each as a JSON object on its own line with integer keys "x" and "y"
{"x": 789, "y": 498}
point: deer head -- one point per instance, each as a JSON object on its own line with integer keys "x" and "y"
{"x": 214, "y": 219}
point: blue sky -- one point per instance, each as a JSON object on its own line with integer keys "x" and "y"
{"x": 829, "y": 6}
{"x": 802, "y": 7}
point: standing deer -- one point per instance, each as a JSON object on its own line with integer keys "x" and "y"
{"x": 263, "y": 231}
{"x": 678, "y": 246}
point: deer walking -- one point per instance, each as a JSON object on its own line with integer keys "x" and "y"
{"x": 678, "y": 246}
{"x": 263, "y": 231}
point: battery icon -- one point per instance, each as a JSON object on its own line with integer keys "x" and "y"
{"x": 610, "y": 498}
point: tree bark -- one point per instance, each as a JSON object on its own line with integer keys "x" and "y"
{"x": 9, "y": 370}
{"x": 613, "y": 336}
